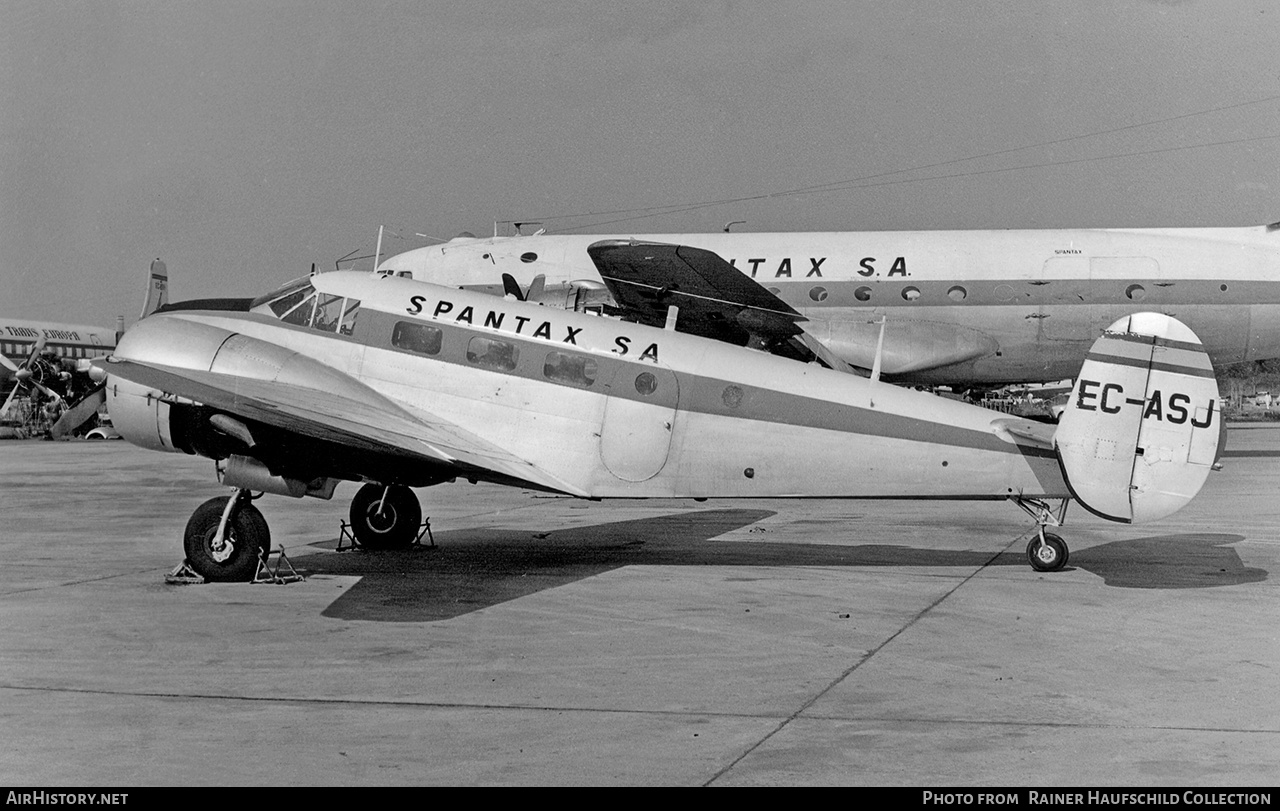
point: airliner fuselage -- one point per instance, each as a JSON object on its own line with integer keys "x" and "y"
{"x": 960, "y": 307}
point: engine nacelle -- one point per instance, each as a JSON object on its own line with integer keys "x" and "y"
{"x": 139, "y": 415}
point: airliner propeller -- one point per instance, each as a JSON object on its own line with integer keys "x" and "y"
{"x": 512, "y": 288}
{"x": 30, "y": 373}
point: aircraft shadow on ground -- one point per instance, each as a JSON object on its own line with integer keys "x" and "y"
{"x": 476, "y": 568}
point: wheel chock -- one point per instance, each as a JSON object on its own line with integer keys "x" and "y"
{"x": 347, "y": 539}
{"x": 283, "y": 572}
{"x": 183, "y": 575}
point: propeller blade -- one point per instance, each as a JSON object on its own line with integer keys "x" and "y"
{"x": 5, "y": 408}
{"x": 79, "y": 413}
{"x": 535, "y": 287}
{"x": 36, "y": 349}
{"x": 8, "y": 364}
{"x": 511, "y": 288}
{"x": 45, "y": 390}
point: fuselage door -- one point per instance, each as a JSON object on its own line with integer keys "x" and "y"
{"x": 639, "y": 415}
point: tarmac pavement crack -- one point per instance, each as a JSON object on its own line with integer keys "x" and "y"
{"x": 82, "y": 581}
{"x": 868, "y": 656}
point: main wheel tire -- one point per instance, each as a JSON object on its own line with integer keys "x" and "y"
{"x": 395, "y": 526}
{"x": 1049, "y": 556}
{"x": 236, "y": 558}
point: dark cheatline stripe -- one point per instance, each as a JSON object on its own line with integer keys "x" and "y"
{"x": 1251, "y": 454}
{"x": 1124, "y": 346}
{"x": 698, "y": 393}
{"x": 1138, "y": 363}
{"x": 1150, "y": 340}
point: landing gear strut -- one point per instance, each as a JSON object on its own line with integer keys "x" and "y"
{"x": 224, "y": 538}
{"x": 1046, "y": 552}
{"x": 385, "y": 517}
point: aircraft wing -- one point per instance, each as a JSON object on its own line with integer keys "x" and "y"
{"x": 715, "y": 299}
{"x": 374, "y": 424}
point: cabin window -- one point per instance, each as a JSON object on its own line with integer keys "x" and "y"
{"x": 646, "y": 383}
{"x": 1135, "y": 292}
{"x": 818, "y": 294}
{"x": 910, "y": 293}
{"x": 528, "y": 258}
{"x": 493, "y": 354}
{"x": 732, "y": 396}
{"x": 420, "y": 338}
{"x": 862, "y": 294}
{"x": 575, "y": 370}
{"x": 957, "y": 293}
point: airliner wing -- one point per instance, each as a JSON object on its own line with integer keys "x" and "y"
{"x": 374, "y": 424}
{"x": 715, "y": 299}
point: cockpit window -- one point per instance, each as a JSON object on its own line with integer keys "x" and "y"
{"x": 299, "y": 314}
{"x": 298, "y": 303}
{"x": 283, "y": 298}
{"x": 328, "y": 313}
{"x": 349, "y": 312}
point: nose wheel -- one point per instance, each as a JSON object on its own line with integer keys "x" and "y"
{"x": 385, "y": 517}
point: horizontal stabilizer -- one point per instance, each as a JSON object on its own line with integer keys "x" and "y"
{"x": 1140, "y": 433}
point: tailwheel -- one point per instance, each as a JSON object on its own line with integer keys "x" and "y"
{"x": 1047, "y": 552}
{"x": 385, "y": 517}
{"x": 232, "y": 555}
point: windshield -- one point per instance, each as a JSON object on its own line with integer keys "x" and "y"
{"x": 267, "y": 304}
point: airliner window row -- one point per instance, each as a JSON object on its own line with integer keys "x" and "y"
{"x": 569, "y": 368}
{"x": 18, "y": 348}
{"x": 1004, "y": 292}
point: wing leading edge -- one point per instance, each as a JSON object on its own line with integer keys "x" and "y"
{"x": 376, "y": 424}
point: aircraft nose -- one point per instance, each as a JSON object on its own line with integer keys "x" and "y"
{"x": 172, "y": 341}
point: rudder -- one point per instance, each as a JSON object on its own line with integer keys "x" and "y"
{"x": 157, "y": 289}
{"x": 1140, "y": 433}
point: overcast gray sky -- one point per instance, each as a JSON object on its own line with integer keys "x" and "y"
{"x": 242, "y": 141}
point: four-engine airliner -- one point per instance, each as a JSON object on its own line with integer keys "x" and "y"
{"x": 964, "y": 308}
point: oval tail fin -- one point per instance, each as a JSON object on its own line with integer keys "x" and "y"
{"x": 1140, "y": 433}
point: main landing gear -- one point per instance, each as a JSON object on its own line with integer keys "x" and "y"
{"x": 1046, "y": 551}
{"x": 227, "y": 536}
{"x": 385, "y": 517}
{"x": 224, "y": 538}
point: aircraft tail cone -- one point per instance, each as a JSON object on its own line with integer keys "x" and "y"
{"x": 1141, "y": 431}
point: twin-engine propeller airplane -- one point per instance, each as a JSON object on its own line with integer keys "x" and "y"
{"x": 397, "y": 383}
{"x": 962, "y": 308}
